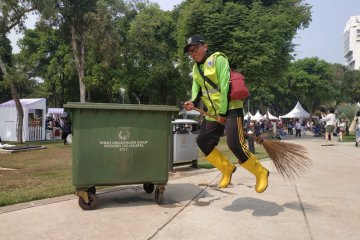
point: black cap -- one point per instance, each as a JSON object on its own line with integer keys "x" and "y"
{"x": 194, "y": 40}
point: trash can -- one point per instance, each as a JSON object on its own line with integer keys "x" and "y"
{"x": 185, "y": 149}
{"x": 119, "y": 144}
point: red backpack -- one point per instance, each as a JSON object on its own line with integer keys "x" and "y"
{"x": 238, "y": 89}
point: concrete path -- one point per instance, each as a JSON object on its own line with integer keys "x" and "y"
{"x": 322, "y": 205}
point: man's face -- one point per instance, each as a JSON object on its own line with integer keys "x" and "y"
{"x": 197, "y": 52}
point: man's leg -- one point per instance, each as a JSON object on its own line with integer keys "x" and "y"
{"x": 236, "y": 142}
{"x": 208, "y": 138}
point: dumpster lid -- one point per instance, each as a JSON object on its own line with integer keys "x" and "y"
{"x": 107, "y": 106}
{"x": 184, "y": 121}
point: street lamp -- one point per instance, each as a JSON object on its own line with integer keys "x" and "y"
{"x": 122, "y": 92}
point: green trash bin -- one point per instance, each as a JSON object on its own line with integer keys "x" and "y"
{"x": 119, "y": 144}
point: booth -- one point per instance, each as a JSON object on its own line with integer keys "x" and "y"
{"x": 257, "y": 117}
{"x": 297, "y": 112}
{"x": 33, "y": 122}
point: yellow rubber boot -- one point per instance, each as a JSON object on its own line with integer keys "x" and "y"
{"x": 254, "y": 166}
{"x": 219, "y": 161}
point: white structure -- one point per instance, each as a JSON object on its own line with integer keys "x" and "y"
{"x": 33, "y": 122}
{"x": 352, "y": 43}
{"x": 247, "y": 116}
{"x": 297, "y": 112}
{"x": 271, "y": 117}
{"x": 257, "y": 116}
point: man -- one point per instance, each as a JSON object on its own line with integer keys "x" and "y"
{"x": 330, "y": 120}
{"x": 229, "y": 114}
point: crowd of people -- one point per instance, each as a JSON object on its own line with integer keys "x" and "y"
{"x": 59, "y": 125}
{"x": 327, "y": 127}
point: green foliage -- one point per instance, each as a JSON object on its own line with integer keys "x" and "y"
{"x": 154, "y": 77}
{"x": 255, "y": 35}
{"x": 309, "y": 81}
{"x": 347, "y": 110}
{"x": 46, "y": 57}
{"x": 134, "y": 45}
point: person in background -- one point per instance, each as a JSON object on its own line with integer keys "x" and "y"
{"x": 229, "y": 114}
{"x": 357, "y": 129}
{"x": 65, "y": 129}
{"x": 342, "y": 129}
{"x": 330, "y": 120}
{"x": 297, "y": 129}
{"x": 290, "y": 128}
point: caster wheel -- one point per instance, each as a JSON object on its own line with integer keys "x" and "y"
{"x": 159, "y": 196}
{"x": 91, "y": 204}
{"x": 149, "y": 187}
{"x": 194, "y": 164}
{"x": 92, "y": 190}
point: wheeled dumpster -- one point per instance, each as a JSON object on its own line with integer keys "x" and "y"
{"x": 119, "y": 144}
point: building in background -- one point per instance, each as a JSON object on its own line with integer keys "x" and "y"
{"x": 352, "y": 43}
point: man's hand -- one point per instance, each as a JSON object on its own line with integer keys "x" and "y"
{"x": 189, "y": 105}
{"x": 221, "y": 120}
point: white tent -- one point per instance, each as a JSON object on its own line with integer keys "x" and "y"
{"x": 257, "y": 116}
{"x": 33, "y": 122}
{"x": 271, "y": 117}
{"x": 297, "y": 112}
{"x": 248, "y": 115}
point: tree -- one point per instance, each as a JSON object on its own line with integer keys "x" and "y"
{"x": 351, "y": 85}
{"x": 309, "y": 82}
{"x": 255, "y": 35}
{"x": 12, "y": 14}
{"x": 154, "y": 78}
{"x": 74, "y": 12}
{"x": 44, "y": 55}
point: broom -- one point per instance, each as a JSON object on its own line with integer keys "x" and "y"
{"x": 289, "y": 159}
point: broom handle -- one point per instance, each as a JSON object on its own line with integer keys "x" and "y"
{"x": 214, "y": 117}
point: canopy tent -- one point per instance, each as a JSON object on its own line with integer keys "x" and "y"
{"x": 271, "y": 117}
{"x": 257, "y": 116}
{"x": 33, "y": 122}
{"x": 247, "y": 116}
{"x": 55, "y": 110}
{"x": 297, "y": 112}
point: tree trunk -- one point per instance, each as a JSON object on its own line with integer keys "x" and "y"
{"x": 19, "y": 108}
{"x": 78, "y": 46}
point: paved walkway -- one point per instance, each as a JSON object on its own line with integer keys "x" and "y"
{"x": 322, "y": 205}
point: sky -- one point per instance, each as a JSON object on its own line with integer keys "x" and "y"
{"x": 323, "y": 38}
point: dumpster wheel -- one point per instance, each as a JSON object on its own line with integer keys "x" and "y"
{"x": 149, "y": 187}
{"x": 159, "y": 194}
{"x": 91, "y": 204}
{"x": 92, "y": 190}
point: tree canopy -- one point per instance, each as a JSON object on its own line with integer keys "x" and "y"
{"x": 97, "y": 50}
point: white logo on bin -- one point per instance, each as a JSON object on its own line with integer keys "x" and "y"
{"x": 124, "y": 134}
{"x": 124, "y": 141}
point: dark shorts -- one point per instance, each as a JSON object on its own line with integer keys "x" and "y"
{"x": 330, "y": 128}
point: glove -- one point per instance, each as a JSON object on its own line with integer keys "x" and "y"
{"x": 188, "y": 105}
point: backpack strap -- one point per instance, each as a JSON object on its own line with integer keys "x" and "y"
{"x": 207, "y": 79}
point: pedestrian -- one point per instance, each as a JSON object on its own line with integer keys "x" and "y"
{"x": 290, "y": 128}
{"x": 357, "y": 128}
{"x": 330, "y": 120}
{"x": 342, "y": 128}
{"x": 65, "y": 129}
{"x": 297, "y": 129}
{"x": 229, "y": 114}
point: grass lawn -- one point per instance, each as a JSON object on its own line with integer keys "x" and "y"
{"x": 37, "y": 174}
{"x": 47, "y": 173}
